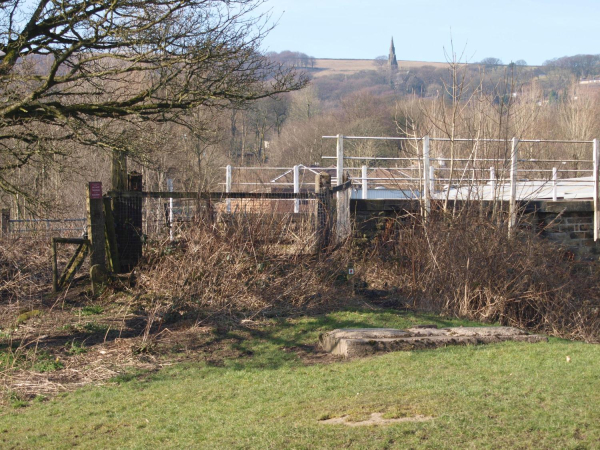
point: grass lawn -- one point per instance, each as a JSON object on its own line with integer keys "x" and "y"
{"x": 510, "y": 395}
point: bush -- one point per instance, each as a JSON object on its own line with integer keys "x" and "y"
{"x": 467, "y": 266}
{"x": 251, "y": 262}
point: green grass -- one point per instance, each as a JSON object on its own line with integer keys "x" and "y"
{"x": 510, "y": 395}
{"x": 75, "y": 348}
{"x": 91, "y": 310}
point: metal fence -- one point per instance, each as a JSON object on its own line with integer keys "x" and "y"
{"x": 45, "y": 227}
{"x": 487, "y": 169}
{"x": 430, "y": 168}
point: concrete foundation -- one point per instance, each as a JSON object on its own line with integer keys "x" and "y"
{"x": 367, "y": 341}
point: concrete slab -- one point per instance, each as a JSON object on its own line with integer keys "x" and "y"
{"x": 367, "y": 341}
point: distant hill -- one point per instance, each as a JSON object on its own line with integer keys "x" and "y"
{"x": 326, "y": 66}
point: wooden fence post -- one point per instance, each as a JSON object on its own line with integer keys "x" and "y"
{"x": 95, "y": 226}
{"x": 323, "y": 210}
{"x": 112, "y": 251}
{"x": 170, "y": 189}
{"x": 342, "y": 204}
{"x": 54, "y": 267}
{"x": 119, "y": 171}
{"x": 5, "y": 222}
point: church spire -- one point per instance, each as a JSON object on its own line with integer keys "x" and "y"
{"x": 392, "y": 61}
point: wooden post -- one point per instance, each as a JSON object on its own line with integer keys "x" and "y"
{"x": 514, "y": 155}
{"x": 426, "y": 196}
{"x": 95, "y": 225}
{"x": 74, "y": 264}
{"x": 54, "y": 267}
{"x": 343, "y": 211}
{"x": 119, "y": 171}
{"x": 112, "y": 251}
{"x": 5, "y": 222}
{"x": 365, "y": 183}
{"x": 323, "y": 210}
{"x": 596, "y": 190}
{"x": 296, "y": 188}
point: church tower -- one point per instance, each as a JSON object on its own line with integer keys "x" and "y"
{"x": 392, "y": 61}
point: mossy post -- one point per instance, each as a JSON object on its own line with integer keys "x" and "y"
{"x": 95, "y": 223}
{"x": 119, "y": 171}
{"x": 323, "y": 210}
{"x": 4, "y": 222}
{"x": 112, "y": 252}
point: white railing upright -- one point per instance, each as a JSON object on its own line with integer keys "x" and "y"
{"x": 426, "y": 165}
{"x": 365, "y": 183}
{"x": 596, "y": 172}
{"x": 296, "y": 188}
{"x": 514, "y": 158}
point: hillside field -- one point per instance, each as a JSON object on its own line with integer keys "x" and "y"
{"x": 325, "y": 67}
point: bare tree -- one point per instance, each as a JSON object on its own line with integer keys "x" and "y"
{"x": 72, "y": 70}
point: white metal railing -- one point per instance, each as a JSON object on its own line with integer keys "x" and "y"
{"x": 503, "y": 179}
{"x": 518, "y": 188}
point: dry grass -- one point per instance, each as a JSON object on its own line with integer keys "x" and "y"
{"x": 251, "y": 266}
{"x": 251, "y": 262}
{"x": 24, "y": 268}
{"x": 463, "y": 265}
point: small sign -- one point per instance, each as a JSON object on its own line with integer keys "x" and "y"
{"x": 350, "y": 271}
{"x": 95, "y": 189}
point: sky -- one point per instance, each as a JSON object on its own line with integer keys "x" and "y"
{"x": 424, "y": 30}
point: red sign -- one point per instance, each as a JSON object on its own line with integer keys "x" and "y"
{"x": 95, "y": 189}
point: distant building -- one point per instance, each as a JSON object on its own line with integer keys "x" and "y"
{"x": 392, "y": 61}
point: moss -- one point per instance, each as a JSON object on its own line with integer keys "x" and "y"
{"x": 25, "y": 316}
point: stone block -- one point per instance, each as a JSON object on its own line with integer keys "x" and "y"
{"x": 368, "y": 341}
{"x": 557, "y": 236}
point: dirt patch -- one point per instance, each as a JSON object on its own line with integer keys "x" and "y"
{"x": 375, "y": 419}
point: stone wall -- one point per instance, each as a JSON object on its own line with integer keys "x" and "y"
{"x": 569, "y": 224}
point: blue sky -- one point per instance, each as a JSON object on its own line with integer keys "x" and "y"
{"x": 532, "y": 30}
